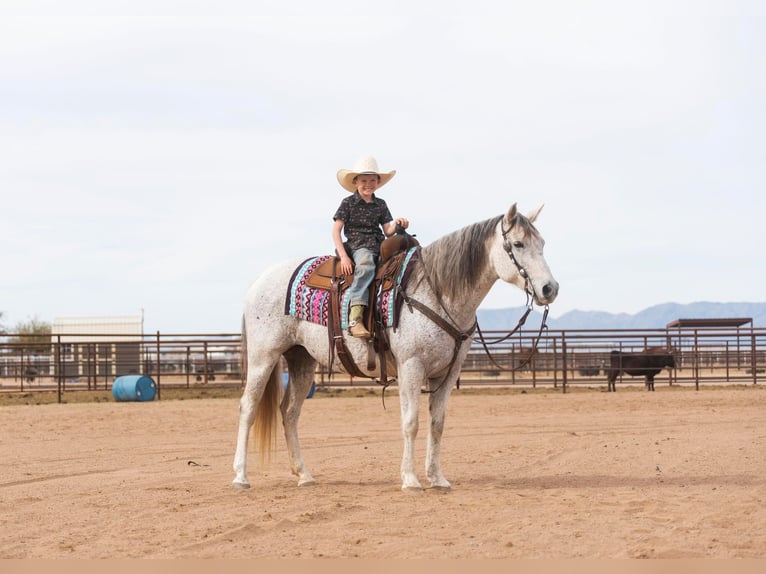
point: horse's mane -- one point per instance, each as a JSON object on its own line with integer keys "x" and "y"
{"x": 453, "y": 263}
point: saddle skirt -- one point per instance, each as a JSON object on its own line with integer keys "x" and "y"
{"x": 309, "y": 289}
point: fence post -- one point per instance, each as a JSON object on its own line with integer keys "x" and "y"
{"x": 187, "y": 366}
{"x": 204, "y": 362}
{"x": 21, "y": 369}
{"x": 59, "y": 374}
{"x": 752, "y": 356}
{"x": 696, "y": 362}
{"x": 158, "y": 366}
{"x": 563, "y": 362}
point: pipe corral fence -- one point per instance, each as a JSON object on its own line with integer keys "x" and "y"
{"x": 560, "y": 359}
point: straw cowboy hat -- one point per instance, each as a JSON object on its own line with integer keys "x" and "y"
{"x": 366, "y": 165}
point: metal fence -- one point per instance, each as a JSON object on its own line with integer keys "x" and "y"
{"x": 559, "y": 359}
{"x": 93, "y": 362}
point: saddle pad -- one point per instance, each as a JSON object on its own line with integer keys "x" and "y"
{"x": 312, "y": 304}
{"x": 306, "y": 302}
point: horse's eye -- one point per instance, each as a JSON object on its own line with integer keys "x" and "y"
{"x": 518, "y": 244}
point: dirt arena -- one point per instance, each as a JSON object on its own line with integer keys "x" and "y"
{"x": 670, "y": 474}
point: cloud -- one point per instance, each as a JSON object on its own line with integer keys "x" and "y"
{"x": 160, "y": 154}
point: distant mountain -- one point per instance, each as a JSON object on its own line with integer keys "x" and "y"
{"x": 655, "y": 317}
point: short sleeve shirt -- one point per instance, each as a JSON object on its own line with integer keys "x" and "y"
{"x": 362, "y": 221}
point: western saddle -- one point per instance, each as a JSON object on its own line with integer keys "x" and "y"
{"x": 328, "y": 277}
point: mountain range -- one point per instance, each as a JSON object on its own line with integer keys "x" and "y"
{"x": 655, "y": 317}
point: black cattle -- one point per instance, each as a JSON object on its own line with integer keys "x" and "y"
{"x": 647, "y": 363}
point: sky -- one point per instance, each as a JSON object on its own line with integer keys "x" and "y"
{"x": 156, "y": 156}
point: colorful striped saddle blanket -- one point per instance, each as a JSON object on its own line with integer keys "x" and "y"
{"x": 313, "y": 304}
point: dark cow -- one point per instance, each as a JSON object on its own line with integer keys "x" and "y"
{"x": 648, "y": 363}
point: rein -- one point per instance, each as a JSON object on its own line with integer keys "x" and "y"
{"x": 458, "y": 336}
{"x": 526, "y": 361}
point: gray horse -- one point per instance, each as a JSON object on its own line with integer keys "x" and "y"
{"x": 451, "y": 277}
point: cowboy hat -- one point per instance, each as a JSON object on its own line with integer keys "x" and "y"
{"x": 366, "y": 165}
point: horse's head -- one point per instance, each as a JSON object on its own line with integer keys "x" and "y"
{"x": 517, "y": 255}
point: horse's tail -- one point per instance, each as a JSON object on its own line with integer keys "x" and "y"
{"x": 265, "y": 427}
{"x": 266, "y": 417}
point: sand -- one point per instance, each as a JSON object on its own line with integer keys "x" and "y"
{"x": 590, "y": 474}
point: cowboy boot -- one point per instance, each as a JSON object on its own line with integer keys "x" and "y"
{"x": 356, "y": 324}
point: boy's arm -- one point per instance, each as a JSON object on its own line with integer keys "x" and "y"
{"x": 346, "y": 265}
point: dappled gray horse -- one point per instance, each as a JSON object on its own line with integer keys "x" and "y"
{"x": 451, "y": 277}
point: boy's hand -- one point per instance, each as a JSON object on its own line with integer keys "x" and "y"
{"x": 346, "y": 265}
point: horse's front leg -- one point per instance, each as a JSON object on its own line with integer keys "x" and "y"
{"x": 437, "y": 409}
{"x": 410, "y": 379}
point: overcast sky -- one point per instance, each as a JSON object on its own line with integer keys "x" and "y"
{"x": 157, "y": 155}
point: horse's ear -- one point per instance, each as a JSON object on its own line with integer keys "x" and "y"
{"x": 510, "y": 215}
{"x": 532, "y": 216}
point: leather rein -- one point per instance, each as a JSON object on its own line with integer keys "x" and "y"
{"x": 457, "y": 335}
{"x": 518, "y": 326}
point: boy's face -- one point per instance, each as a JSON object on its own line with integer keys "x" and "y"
{"x": 366, "y": 184}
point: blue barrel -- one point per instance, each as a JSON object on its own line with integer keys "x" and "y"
{"x": 134, "y": 388}
{"x": 286, "y": 379}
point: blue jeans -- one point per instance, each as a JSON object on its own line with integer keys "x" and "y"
{"x": 364, "y": 273}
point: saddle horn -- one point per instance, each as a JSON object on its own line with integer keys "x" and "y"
{"x": 399, "y": 241}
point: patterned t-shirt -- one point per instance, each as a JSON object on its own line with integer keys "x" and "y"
{"x": 362, "y": 221}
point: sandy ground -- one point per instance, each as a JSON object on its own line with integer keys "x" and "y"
{"x": 670, "y": 474}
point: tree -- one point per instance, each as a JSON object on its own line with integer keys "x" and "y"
{"x": 34, "y": 335}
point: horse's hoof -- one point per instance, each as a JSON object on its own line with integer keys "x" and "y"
{"x": 309, "y": 482}
{"x": 240, "y": 485}
{"x": 412, "y": 489}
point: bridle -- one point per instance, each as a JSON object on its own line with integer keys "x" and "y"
{"x": 508, "y": 248}
{"x": 529, "y": 290}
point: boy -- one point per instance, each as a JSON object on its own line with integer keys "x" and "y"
{"x": 361, "y": 217}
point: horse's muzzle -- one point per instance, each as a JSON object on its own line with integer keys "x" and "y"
{"x": 548, "y": 293}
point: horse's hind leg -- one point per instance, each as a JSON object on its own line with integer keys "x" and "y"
{"x": 301, "y": 367}
{"x": 259, "y": 372}
{"x": 437, "y": 407}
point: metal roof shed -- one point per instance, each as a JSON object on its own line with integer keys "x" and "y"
{"x": 709, "y": 323}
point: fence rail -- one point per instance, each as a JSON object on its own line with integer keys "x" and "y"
{"x": 560, "y": 359}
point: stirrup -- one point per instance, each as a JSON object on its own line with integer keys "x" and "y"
{"x": 357, "y": 329}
